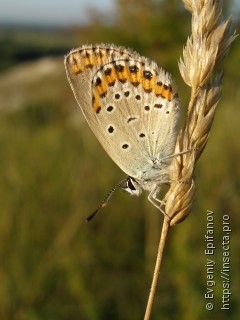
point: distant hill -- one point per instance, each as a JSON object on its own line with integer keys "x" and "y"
{"x": 37, "y": 82}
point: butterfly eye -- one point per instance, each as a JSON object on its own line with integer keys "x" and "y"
{"x": 130, "y": 184}
{"x": 133, "y": 187}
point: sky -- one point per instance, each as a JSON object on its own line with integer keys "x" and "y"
{"x": 51, "y": 12}
{"x": 60, "y": 12}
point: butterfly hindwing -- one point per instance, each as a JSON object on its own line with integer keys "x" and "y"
{"x": 129, "y": 103}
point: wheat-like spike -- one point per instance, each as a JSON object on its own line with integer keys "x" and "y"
{"x": 206, "y": 47}
{"x": 208, "y": 44}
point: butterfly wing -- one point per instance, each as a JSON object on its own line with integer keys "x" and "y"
{"x": 128, "y": 102}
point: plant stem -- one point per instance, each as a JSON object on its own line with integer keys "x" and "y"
{"x": 161, "y": 246}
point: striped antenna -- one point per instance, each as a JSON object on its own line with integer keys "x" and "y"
{"x": 106, "y": 199}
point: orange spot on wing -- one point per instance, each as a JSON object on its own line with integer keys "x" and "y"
{"x": 170, "y": 95}
{"x": 158, "y": 88}
{"x": 90, "y": 57}
{"x": 110, "y": 78}
{"x": 163, "y": 90}
{"x": 102, "y": 55}
{"x": 135, "y": 77}
{"x": 87, "y": 58}
{"x": 75, "y": 63}
{"x": 76, "y": 68}
{"x": 102, "y": 88}
{"x": 121, "y": 73}
{"x": 166, "y": 93}
{"x": 87, "y": 62}
{"x": 96, "y": 102}
{"x": 122, "y": 76}
{"x": 149, "y": 84}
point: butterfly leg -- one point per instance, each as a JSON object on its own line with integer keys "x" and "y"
{"x": 152, "y": 197}
{"x": 176, "y": 155}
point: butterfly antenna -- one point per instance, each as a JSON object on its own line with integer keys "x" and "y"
{"x": 106, "y": 199}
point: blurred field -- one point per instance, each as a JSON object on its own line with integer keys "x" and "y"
{"x": 54, "y": 173}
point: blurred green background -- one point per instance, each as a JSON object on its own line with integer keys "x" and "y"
{"x": 54, "y": 173}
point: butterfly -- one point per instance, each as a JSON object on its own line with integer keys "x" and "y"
{"x": 133, "y": 109}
